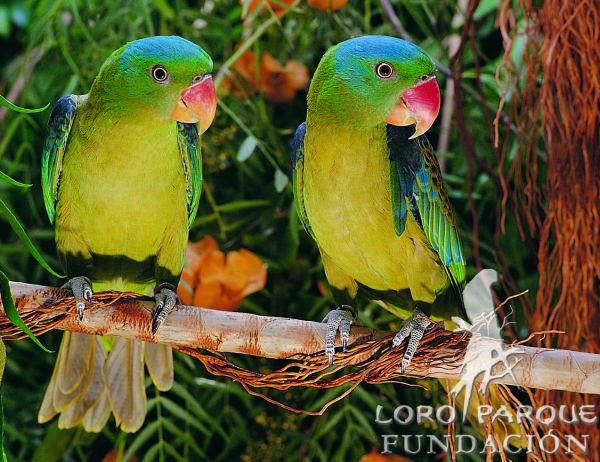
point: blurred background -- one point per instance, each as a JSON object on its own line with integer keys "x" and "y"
{"x": 264, "y": 54}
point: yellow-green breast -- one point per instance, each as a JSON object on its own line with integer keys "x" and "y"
{"x": 346, "y": 192}
{"x": 122, "y": 194}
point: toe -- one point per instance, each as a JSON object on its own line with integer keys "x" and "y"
{"x": 337, "y": 320}
{"x": 413, "y": 329}
{"x": 81, "y": 287}
{"x": 165, "y": 299}
{"x": 80, "y": 309}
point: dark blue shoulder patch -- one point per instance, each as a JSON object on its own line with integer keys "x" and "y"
{"x": 59, "y": 126}
{"x": 297, "y": 144}
{"x": 63, "y": 110}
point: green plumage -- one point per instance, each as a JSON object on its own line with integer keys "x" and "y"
{"x": 114, "y": 214}
{"x": 373, "y": 199}
{"x": 121, "y": 181}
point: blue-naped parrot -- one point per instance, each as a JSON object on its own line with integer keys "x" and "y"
{"x": 368, "y": 186}
{"x": 121, "y": 178}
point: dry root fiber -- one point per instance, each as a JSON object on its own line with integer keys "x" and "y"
{"x": 373, "y": 361}
{"x": 557, "y": 87}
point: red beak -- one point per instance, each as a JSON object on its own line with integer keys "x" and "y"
{"x": 197, "y": 103}
{"x": 418, "y": 105}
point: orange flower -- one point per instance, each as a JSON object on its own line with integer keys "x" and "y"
{"x": 374, "y": 456}
{"x": 114, "y": 456}
{"x": 279, "y": 83}
{"x": 278, "y": 6}
{"x": 327, "y": 5}
{"x": 213, "y": 279}
{"x": 245, "y": 69}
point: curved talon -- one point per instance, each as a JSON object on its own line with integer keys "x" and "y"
{"x": 413, "y": 328}
{"x": 340, "y": 320}
{"x": 166, "y": 298}
{"x": 81, "y": 287}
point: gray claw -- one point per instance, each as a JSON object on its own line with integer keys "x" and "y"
{"x": 81, "y": 287}
{"x": 166, "y": 298}
{"x": 337, "y": 320}
{"x": 414, "y": 328}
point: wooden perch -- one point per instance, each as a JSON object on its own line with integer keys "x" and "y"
{"x": 111, "y": 313}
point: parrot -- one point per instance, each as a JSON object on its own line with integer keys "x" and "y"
{"x": 369, "y": 191}
{"x": 121, "y": 181}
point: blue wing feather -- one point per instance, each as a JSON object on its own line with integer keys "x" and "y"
{"x": 297, "y": 158}
{"x": 415, "y": 172}
{"x": 59, "y": 126}
{"x": 188, "y": 139}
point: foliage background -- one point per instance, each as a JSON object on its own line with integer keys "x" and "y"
{"x": 52, "y": 48}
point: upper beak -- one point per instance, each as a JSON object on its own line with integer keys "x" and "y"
{"x": 418, "y": 105}
{"x": 197, "y": 103}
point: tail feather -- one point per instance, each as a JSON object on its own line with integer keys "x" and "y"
{"x": 90, "y": 395}
{"x": 159, "y": 361}
{"x": 74, "y": 390}
{"x": 96, "y": 417}
{"x": 124, "y": 379}
{"x": 92, "y": 377}
{"x": 500, "y": 427}
{"x": 74, "y": 375}
{"x": 67, "y": 383}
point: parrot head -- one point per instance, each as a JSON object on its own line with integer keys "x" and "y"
{"x": 370, "y": 80}
{"x": 164, "y": 77}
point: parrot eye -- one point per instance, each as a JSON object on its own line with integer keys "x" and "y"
{"x": 384, "y": 70}
{"x": 159, "y": 73}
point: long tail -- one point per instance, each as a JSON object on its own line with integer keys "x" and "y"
{"x": 479, "y": 303}
{"x": 480, "y": 306}
{"x": 96, "y": 375}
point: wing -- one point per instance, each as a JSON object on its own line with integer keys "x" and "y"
{"x": 416, "y": 185}
{"x": 188, "y": 139}
{"x": 59, "y": 126}
{"x": 297, "y": 157}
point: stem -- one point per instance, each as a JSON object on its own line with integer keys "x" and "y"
{"x": 112, "y": 313}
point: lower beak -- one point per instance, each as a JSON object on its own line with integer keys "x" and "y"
{"x": 418, "y": 105}
{"x": 197, "y": 104}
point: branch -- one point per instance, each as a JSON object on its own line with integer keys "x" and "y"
{"x": 114, "y": 313}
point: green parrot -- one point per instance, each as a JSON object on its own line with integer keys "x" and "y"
{"x": 368, "y": 186}
{"x": 121, "y": 178}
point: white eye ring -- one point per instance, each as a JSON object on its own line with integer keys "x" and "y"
{"x": 159, "y": 73}
{"x": 384, "y": 70}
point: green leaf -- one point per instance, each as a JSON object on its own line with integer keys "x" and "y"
{"x": 11, "y": 311}
{"x": 152, "y": 453}
{"x": 246, "y": 148}
{"x": 281, "y": 180}
{"x": 199, "y": 412}
{"x": 184, "y": 415}
{"x": 243, "y": 204}
{"x": 4, "y": 21}
{"x": 140, "y": 439}
{"x": 485, "y": 7}
{"x": 14, "y": 107}
{"x": 2, "y": 359}
{"x": 11, "y": 181}
{"x": 20, "y": 231}
{"x": 2, "y": 425}
{"x": 2, "y": 364}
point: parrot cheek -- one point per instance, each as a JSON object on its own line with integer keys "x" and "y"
{"x": 401, "y": 115}
{"x": 418, "y": 105}
{"x": 197, "y": 104}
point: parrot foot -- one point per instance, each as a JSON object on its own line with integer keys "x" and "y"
{"x": 340, "y": 320}
{"x": 413, "y": 328}
{"x": 166, "y": 298}
{"x": 81, "y": 288}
